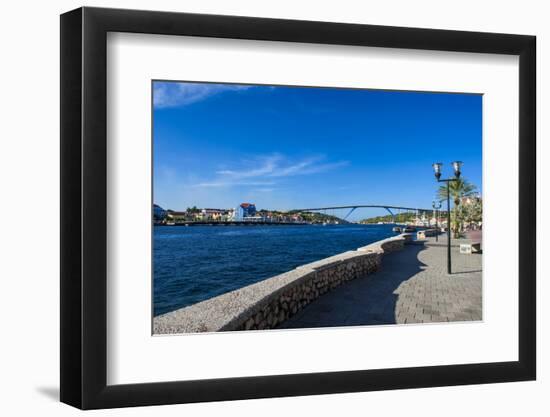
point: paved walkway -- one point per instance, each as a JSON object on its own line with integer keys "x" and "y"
{"x": 412, "y": 287}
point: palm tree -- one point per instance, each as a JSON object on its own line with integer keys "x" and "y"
{"x": 457, "y": 190}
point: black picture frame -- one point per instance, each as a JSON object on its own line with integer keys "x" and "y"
{"x": 84, "y": 207}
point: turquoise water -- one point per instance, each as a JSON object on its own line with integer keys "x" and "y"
{"x": 192, "y": 264}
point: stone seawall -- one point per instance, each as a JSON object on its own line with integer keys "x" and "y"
{"x": 268, "y": 303}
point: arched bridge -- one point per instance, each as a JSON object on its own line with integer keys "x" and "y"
{"x": 388, "y": 208}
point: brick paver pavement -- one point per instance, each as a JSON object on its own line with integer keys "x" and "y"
{"x": 411, "y": 287}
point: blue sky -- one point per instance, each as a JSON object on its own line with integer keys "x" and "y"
{"x": 217, "y": 145}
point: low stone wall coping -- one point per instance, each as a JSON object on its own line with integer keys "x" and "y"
{"x": 292, "y": 290}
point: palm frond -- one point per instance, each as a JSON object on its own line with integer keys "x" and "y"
{"x": 457, "y": 189}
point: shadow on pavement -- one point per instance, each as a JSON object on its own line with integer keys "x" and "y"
{"x": 364, "y": 301}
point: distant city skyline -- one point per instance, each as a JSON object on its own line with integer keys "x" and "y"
{"x": 282, "y": 148}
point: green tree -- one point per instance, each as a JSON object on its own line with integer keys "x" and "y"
{"x": 458, "y": 190}
{"x": 470, "y": 212}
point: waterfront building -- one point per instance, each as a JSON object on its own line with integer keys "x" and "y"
{"x": 177, "y": 216}
{"x": 231, "y": 214}
{"x": 248, "y": 209}
{"x": 237, "y": 214}
{"x": 212, "y": 214}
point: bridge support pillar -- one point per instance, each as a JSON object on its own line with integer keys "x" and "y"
{"x": 391, "y": 213}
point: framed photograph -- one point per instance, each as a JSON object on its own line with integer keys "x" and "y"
{"x": 259, "y": 208}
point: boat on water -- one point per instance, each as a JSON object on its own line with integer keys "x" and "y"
{"x": 409, "y": 229}
{"x": 397, "y": 229}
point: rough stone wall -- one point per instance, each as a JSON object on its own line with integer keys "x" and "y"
{"x": 268, "y": 303}
{"x": 293, "y": 299}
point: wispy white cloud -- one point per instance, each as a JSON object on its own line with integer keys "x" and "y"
{"x": 262, "y": 166}
{"x": 225, "y": 183}
{"x": 262, "y": 171}
{"x": 175, "y": 94}
{"x": 308, "y": 167}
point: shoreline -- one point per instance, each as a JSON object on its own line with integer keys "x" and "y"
{"x": 262, "y": 223}
{"x": 235, "y": 223}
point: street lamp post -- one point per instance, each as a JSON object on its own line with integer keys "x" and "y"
{"x": 436, "y": 206}
{"x": 437, "y": 171}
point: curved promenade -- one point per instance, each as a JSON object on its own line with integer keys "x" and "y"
{"x": 270, "y": 303}
{"x": 412, "y": 287}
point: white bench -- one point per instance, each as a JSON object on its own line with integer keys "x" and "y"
{"x": 474, "y": 246}
{"x": 469, "y": 248}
